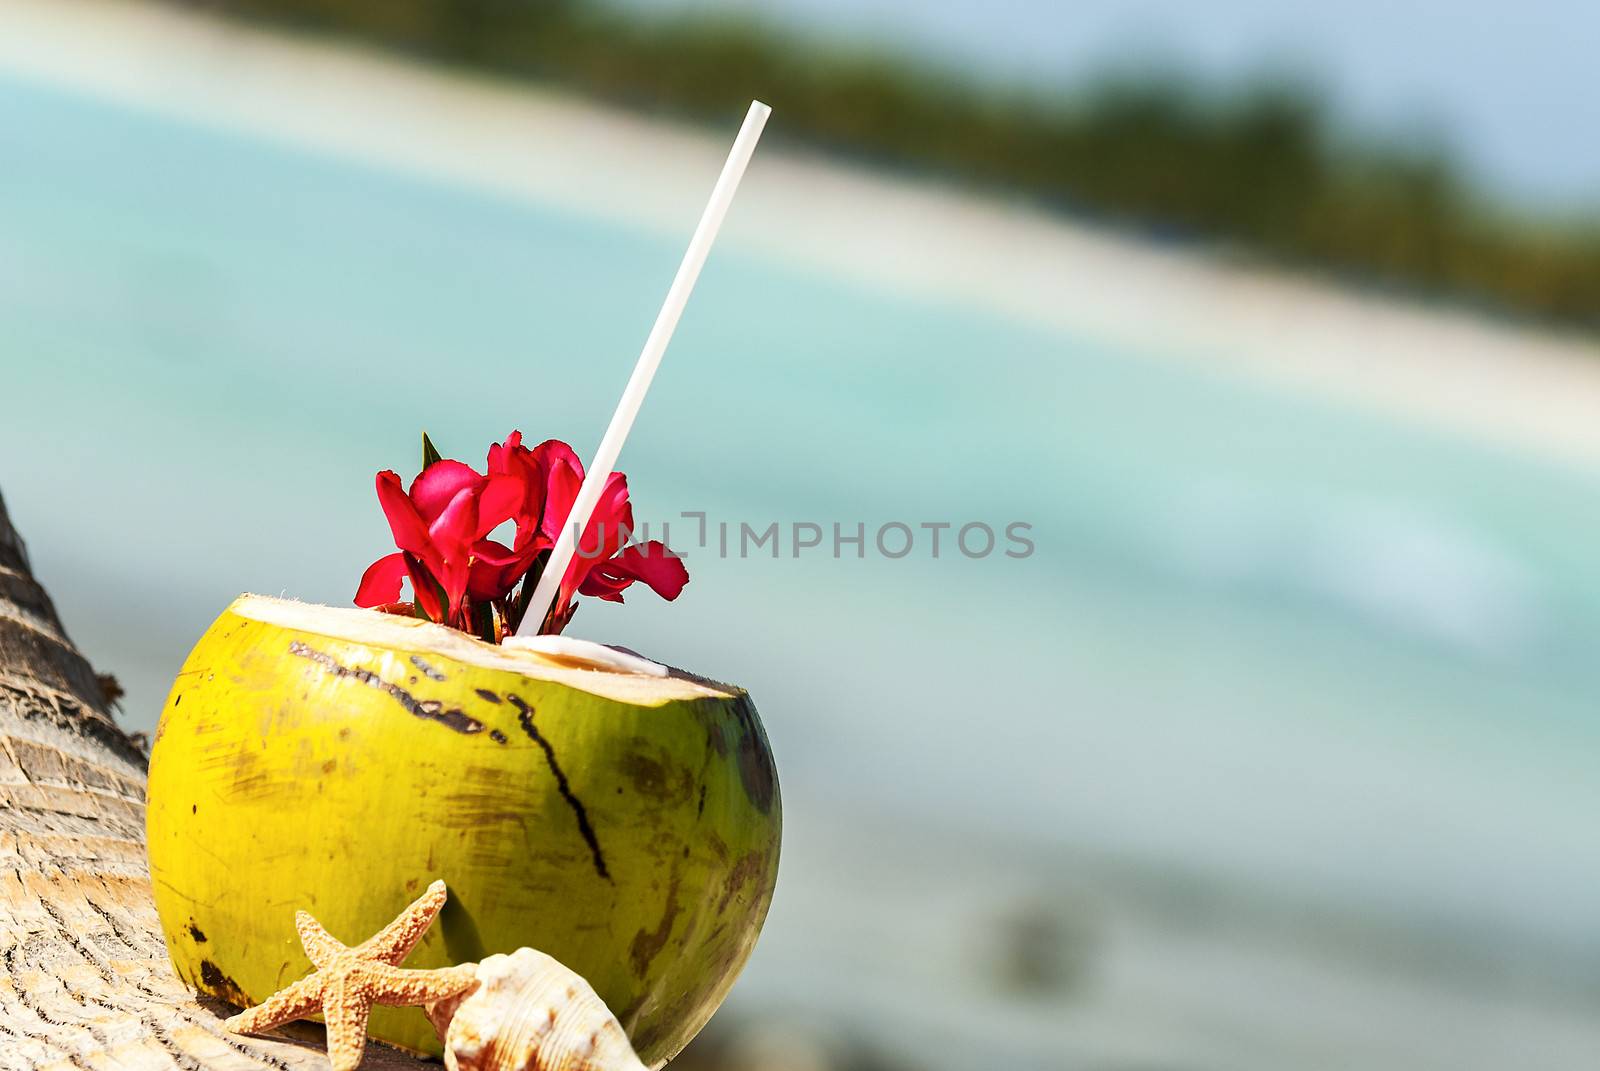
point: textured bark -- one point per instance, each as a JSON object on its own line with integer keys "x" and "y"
{"x": 84, "y": 977}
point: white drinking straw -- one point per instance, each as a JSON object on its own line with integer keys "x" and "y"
{"x": 605, "y": 456}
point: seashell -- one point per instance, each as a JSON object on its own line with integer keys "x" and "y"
{"x": 531, "y": 1013}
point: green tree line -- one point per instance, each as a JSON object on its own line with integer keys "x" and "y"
{"x": 1262, "y": 170}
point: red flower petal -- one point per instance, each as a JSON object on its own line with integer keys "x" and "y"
{"x": 455, "y": 527}
{"x": 517, "y": 464}
{"x": 500, "y": 501}
{"x": 612, "y": 521}
{"x": 380, "y": 584}
{"x": 453, "y": 532}
{"x": 409, "y": 529}
{"x": 500, "y": 454}
{"x": 563, "y": 475}
{"x": 495, "y": 553}
{"x": 496, "y": 568}
{"x": 425, "y": 589}
{"x": 440, "y": 483}
{"x": 650, "y": 562}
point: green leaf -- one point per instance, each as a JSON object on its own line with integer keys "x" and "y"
{"x": 430, "y": 452}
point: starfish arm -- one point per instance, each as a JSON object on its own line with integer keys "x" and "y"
{"x": 395, "y": 942}
{"x": 320, "y": 945}
{"x": 408, "y": 988}
{"x": 345, "y": 1008}
{"x": 298, "y": 1001}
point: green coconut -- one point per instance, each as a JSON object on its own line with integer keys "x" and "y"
{"x": 338, "y": 760}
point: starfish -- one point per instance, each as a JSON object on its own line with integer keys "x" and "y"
{"x": 348, "y": 981}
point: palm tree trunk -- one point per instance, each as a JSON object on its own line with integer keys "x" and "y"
{"x": 84, "y": 977}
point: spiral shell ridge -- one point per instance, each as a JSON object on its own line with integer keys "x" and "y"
{"x": 531, "y": 1013}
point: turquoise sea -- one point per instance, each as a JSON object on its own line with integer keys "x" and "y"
{"x": 1267, "y": 647}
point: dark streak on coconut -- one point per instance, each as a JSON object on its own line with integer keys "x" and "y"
{"x": 430, "y": 709}
{"x": 646, "y": 946}
{"x": 525, "y": 719}
{"x": 649, "y": 777}
{"x": 750, "y": 865}
{"x": 218, "y": 984}
{"x": 484, "y": 693}
{"x": 427, "y": 670}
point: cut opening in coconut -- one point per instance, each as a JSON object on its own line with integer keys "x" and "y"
{"x": 612, "y": 672}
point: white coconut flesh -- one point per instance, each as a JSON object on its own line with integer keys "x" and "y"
{"x": 613, "y": 672}
{"x": 586, "y": 654}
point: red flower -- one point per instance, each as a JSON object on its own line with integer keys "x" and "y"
{"x": 604, "y": 563}
{"x": 458, "y": 573}
{"x": 499, "y": 567}
{"x": 449, "y": 509}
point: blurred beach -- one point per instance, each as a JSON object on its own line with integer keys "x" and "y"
{"x": 1278, "y": 753}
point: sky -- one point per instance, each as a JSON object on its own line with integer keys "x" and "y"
{"x": 1509, "y": 85}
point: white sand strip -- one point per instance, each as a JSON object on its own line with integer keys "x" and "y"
{"x": 1458, "y": 371}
